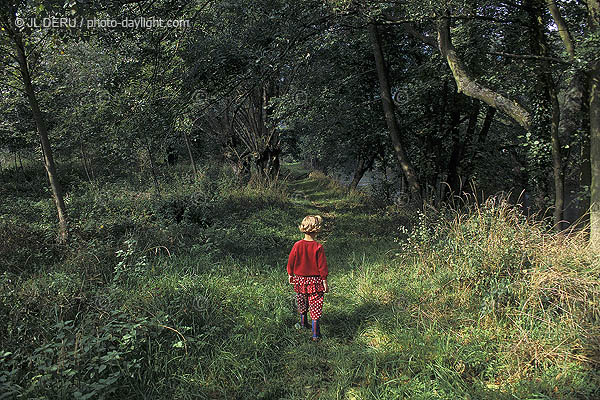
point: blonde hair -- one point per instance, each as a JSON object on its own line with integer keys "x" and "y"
{"x": 311, "y": 224}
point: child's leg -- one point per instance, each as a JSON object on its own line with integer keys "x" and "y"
{"x": 316, "y": 329}
{"x": 315, "y": 304}
{"x": 302, "y": 301}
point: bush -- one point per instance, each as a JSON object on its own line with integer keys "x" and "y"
{"x": 24, "y": 247}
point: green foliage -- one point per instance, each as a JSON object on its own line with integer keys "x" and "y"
{"x": 174, "y": 286}
{"x": 130, "y": 266}
{"x": 85, "y": 361}
{"x": 207, "y": 313}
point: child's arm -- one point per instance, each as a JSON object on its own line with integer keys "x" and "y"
{"x": 322, "y": 263}
{"x": 322, "y": 266}
{"x": 291, "y": 264}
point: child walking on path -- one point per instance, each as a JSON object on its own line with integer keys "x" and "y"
{"x": 307, "y": 271}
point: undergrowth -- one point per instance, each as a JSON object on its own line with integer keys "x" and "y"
{"x": 183, "y": 294}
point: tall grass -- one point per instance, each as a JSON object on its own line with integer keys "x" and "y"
{"x": 184, "y": 295}
{"x": 505, "y": 270}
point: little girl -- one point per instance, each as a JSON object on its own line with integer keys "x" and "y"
{"x": 307, "y": 271}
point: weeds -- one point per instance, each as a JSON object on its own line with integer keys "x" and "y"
{"x": 540, "y": 286}
{"x": 184, "y": 295}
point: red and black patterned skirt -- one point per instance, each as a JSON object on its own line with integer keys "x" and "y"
{"x": 308, "y": 284}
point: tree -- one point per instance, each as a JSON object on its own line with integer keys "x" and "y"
{"x": 23, "y": 54}
{"x": 388, "y": 106}
{"x": 594, "y": 110}
{"x": 243, "y": 68}
{"x": 332, "y": 110}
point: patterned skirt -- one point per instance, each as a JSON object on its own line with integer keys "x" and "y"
{"x": 308, "y": 284}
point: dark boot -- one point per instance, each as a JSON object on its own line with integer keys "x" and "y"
{"x": 316, "y": 330}
{"x": 303, "y": 322}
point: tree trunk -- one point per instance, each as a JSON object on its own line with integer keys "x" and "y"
{"x": 563, "y": 30}
{"x": 25, "y": 176}
{"x": 362, "y": 166}
{"x": 189, "y": 149}
{"x": 544, "y": 72}
{"x": 43, "y": 134}
{"x": 557, "y": 167}
{"x": 267, "y": 165}
{"x": 585, "y": 173}
{"x": 573, "y": 103}
{"x": 594, "y": 108}
{"x": 358, "y": 174}
{"x": 469, "y": 139}
{"x": 481, "y": 139}
{"x": 453, "y": 179}
{"x": 89, "y": 163}
{"x": 152, "y": 167}
{"x": 84, "y": 162}
{"x": 487, "y": 123}
{"x": 388, "y": 107}
{"x": 16, "y": 165}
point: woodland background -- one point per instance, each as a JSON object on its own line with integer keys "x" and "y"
{"x": 152, "y": 180}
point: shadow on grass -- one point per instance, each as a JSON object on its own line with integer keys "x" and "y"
{"x": 345, "y": 325}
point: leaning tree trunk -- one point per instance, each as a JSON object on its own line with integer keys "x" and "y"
{"x": 563, "y": 30}
{"x": 467, "y": 84}
{"x": 388, "y": 107}
{"x": 362, "y": 166}
{"x": 358, "y": 174}
{"x": 45, "y": 142}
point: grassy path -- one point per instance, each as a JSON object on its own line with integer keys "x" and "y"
{"x": 359, "y": 356}
{"x": 243, "y": 341}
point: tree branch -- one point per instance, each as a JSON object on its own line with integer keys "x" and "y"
{"x": 390, "y": 20}
{"x": 412, "y": 31}
{"x": 563, "y": 29}
{"x": 467, "y": 84}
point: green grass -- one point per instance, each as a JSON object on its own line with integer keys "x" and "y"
{"x": 201, "y": 308}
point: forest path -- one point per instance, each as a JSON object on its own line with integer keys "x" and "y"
{"x": 318, "y": 195}
{"x": 361, "y": 311}
{"x": 351, "y": 224}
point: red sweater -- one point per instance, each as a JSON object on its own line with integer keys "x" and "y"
{"x": 307, "y": 258}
